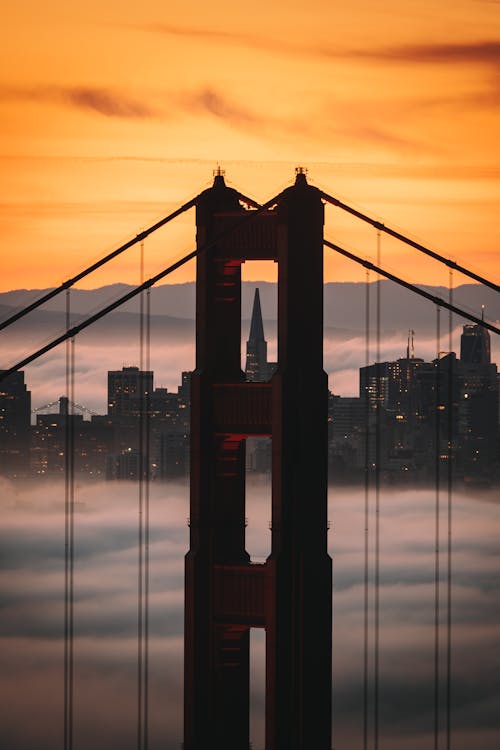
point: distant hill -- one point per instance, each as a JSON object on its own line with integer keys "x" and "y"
{"x": 344, "y": 304}
{"x": 113, "y": 342}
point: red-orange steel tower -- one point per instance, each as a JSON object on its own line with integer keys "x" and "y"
{"x": 226, "y": 594}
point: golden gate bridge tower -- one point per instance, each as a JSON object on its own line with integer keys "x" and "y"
{"x": 290, "y": 594}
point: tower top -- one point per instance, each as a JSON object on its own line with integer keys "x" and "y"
{"x": 217, "y": 198}
{"x": 218, "y": 174}
{"x": 300, "y": 175}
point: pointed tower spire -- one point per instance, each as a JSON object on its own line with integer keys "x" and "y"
{"x": 256, "y": 368}
{"x": 256, "y": 326}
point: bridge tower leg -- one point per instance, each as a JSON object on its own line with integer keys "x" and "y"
{"x": 226, "y": 594}
{"x": 299, "y": 609}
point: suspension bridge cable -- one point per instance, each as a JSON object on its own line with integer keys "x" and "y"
{"x": 134, "y": 292}
{"x": 72, "y": 547}
{"x": 437, "y": 512}
{"x": 143, "y": 524}
{"x": 416, "y": 245}
{"x": 140, "y": 528}
{"x": 110, "y": 256}
{"x": 69, "y": 507}
{"x": 154, "y": 279}
{"x": 147, "y": 524}
{"x": 66, "y": 536}
{"x": 378, "y": 416}
{"x": 449, "y": 517}
{"x": 412, "y": 287}
{"x": 90, "y": 269}
{"x": 366, "y": 510}
{"x": 248, "y": 201}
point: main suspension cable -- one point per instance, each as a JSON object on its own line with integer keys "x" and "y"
{"x": 134, "y": 292}
{"x": 412, "y": 287}
{"x": 110, "y": 256}
{"x": 90, "y": 269}
{"x": 416, "y": 245}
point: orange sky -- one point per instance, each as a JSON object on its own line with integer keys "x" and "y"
{"x": 112, "y": 116}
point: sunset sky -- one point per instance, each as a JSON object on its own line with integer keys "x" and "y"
{"x": 112, "y": 114}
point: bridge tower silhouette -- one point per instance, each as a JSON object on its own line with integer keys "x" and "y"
{"x": 225, "y": 593}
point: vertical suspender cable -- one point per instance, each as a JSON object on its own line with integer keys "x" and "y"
{"x": 143, "y": 528}
{"x": 140, "y": 540}
{"x": 377, "y": 513}
{"x": 71, "y": 540}
{"x": 366, "y": 530}
{"x": 66, "y": 539}
{"x": 147, "y": 447}
{"x": 437, "y": 436}
{"x": 449, "y": 517}
{"x": 69, "y": 486}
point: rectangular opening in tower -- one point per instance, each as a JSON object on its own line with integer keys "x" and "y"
{"x": 257, "y": 688}
{"x": 258, "y": 508}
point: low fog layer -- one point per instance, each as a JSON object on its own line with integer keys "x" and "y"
{"x": 31, "y": 627}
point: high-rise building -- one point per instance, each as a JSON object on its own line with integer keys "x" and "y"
{"x": 475, "y": 345}
{"x": 15, "y": 408}
{"x": 170, "y": 429}
{"x": 478, "y": 414}
{"x": 257, "y": 368}
{"x": 374, "y": 383}
{"x": 91, "y": 442}
{"x": 402, "y": 386}
{"x": 127, "y": 390}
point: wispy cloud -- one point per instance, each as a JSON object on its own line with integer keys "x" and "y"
{"x": 216, "y": 35}
{"x": 107, "y": 102}
{"x": 211, "y": 101}
{"x": 222, "y": 36}
{"x": 482, "y": 52}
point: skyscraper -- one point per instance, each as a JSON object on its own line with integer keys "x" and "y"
{"x": 479, "y": 398}
{"x": 475, "y": 347}
{"x": 127, "y": 390}
{"x": 257, "y": 368}
{"x": 15, "y": 405}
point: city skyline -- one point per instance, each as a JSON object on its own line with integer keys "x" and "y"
{"x": 108, "y": 345}
{"x": 265, "y": 375}
{"x": 409, "y": 390}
